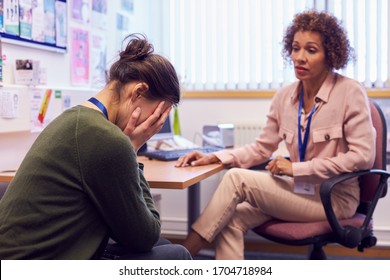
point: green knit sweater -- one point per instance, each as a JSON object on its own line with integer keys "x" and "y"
{"x": 79, "y": 184}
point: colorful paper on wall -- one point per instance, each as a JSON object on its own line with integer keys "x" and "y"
{"x": 98, "y": 60}
{"x": 44, "y": 105}
{"x": 80, "y": 10}
{"x": 38, "y": 24}
{"x": 26, "y": 72}
{"x": 99, "y": 13}
{"x": 11, "y": 16}
{"x": 1, "y": 16}
{"x": 79, "y": 56}
{"x": 42, "y": 111}
{"x": 61, "y": 24}
{"x": 122, "y": 28}
{"x": 25, "y": 14}
{"x": 9, "y": 103}
{"x": 127, "y": 5}
{"x": 1, "y": 62}
{"x": 50, "y": 26}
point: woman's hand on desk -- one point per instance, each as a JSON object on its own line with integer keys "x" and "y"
{"x": 196, "y": 158}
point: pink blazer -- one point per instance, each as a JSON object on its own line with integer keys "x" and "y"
{"x": 341, "y": 139}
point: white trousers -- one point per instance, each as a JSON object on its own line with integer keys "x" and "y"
{"x": 245, "y": 199}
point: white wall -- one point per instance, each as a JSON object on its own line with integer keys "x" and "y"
{"x": 58, "y": 68}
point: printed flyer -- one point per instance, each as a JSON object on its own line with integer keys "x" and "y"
{"x": 98, "y": 60}
{"x": 41, "y": 111}
{"x": 79, "y": 56}
{"x": 25, "y": 15}
{"x": 11, "y": 16}
{"x": 38, "y": 24}
{"x": 50, "y": 27}
{"x": 99, "y": 13}
{"x": 61, "y": 24}
{"x": 80, "y": 10}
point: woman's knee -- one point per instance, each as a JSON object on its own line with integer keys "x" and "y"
{"x": 177, "y": 252}
{"x": 233, "y": 177}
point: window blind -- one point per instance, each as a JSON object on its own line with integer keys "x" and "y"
{"x": 236, "y": 44}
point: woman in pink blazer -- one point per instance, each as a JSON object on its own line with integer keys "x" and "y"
{"x": 324, "y": 120}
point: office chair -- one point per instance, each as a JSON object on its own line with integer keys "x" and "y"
{"x": 356, "y": 231}
{"x": 3, "y": 188}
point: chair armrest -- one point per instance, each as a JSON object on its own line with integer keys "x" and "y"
{"x": 348, "y": 235}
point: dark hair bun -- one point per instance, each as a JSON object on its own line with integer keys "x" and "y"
{"x": 138, "y": 48}
{"x": 138, "y": 63}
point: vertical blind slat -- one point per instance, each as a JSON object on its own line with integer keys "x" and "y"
{"x": 378, "y": 81}
{"x": 236, "y": 44}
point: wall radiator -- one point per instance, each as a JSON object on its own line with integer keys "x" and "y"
{"x": 245, "y": 132}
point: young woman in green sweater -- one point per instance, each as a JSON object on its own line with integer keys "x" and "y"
{"x": 80, "y": 183}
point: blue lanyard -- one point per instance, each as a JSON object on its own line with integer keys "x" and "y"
{"x": 302, "y": 146}
{"x": 99, "y": 105}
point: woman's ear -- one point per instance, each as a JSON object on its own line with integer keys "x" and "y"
{"x": 139, "y": 90}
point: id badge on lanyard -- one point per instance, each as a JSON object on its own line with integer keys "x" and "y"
{"x": 304, "y": 188}
{"x": 303, "y": 144}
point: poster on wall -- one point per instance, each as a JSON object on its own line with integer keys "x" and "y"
{"x": 122, "y": 29}
{"x": 26, "y": 72}
{"x": 38, "y": 24}
{"x": 25, "y": 16}
{"x": 9, "y": 103}
{"x": 127, "y": 5}
{"x": 98, "y": 60}
{"x": 1, "y": 17}
{"x": 99, "y": 14}
{"x": 1, "y": 63}
{"x": 11, "y": 16}
{"x": 50, "y": 27}
{"x": 80, "y": 10}
{"x": 79, "y": 56}
{"x": 41, "y": 111}
{"x": 61, "y": 24}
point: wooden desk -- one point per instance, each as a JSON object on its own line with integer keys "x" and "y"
{"x": 164, "y": 175}
{"x": 7, "y": 176}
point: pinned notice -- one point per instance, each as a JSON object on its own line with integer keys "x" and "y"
{"x": 44, "y": 105}
{"x": 42, "y": 108}
{"x": 9, "y": 104}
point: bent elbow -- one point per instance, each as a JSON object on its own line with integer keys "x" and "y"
{"x": 144, "y": 244}
{"x": 144, "y": 241}
{"x": 367, "y": 161}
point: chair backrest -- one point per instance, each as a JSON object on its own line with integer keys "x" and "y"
{"x": 372, "y": 181}
{"x": 3, "y": 187}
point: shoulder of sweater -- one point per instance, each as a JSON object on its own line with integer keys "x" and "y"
{"x": 94, "y": 123}
{"x": 96, "y": 120}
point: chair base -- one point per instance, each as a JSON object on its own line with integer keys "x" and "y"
{"x": 317, "y": 253}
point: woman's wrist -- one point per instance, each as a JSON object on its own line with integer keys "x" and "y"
{"x": 214, "y": 159}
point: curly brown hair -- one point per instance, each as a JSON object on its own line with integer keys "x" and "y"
{"x": 338, "y": 51}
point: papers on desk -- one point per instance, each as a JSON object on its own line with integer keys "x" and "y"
{"x": 176, "y": 143}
